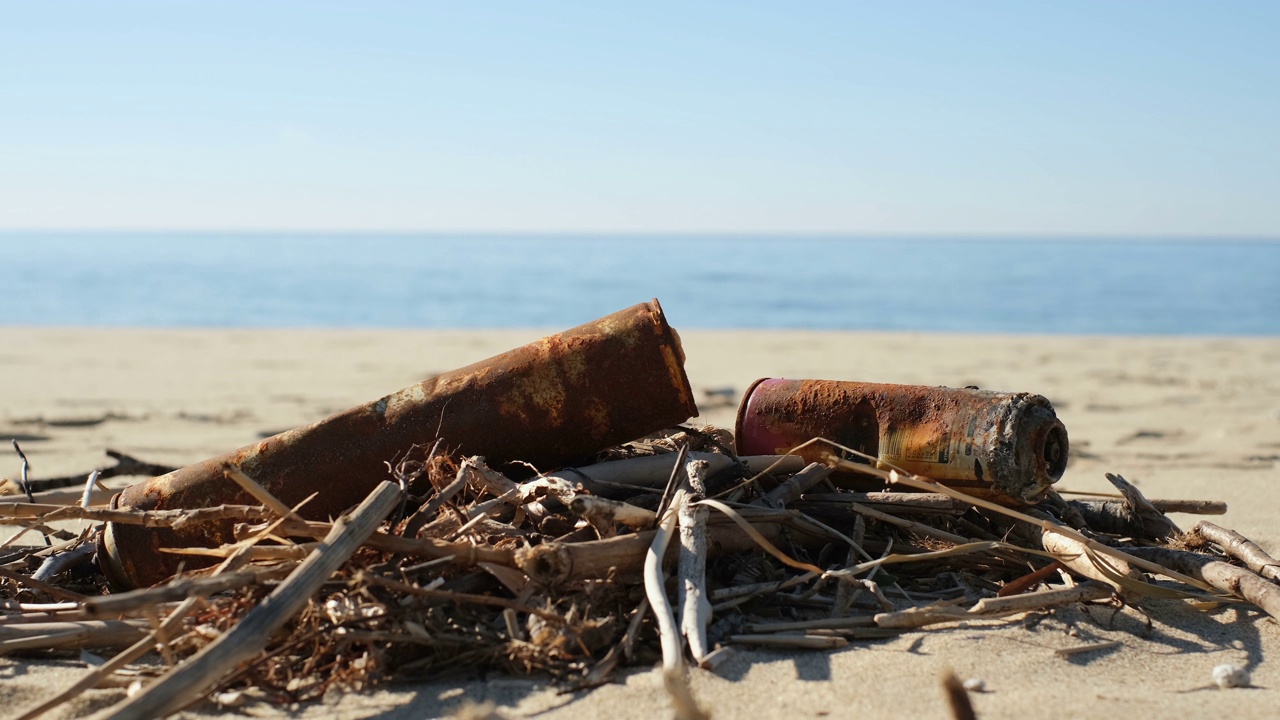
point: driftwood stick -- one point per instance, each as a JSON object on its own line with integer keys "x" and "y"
{"x": 24, "y": 512}
{"x": 75, "y": 634}
{"x": 655, "y": 588}
{"x": 987, "y": 608}
{"x": 795, "y": 486}
{"x": 604, "y": 513}
{"x": 1165, "y": 505}
{"x": 60, "y": 561}
{"x": 1116, "y": 518}
{"x": 1153, "y": 522}
{"x": 1238, "y": 547}
{"x": 1220, "y": 575}
{"x": 1191, "y": 507}
{"x": 201, "y": 673}
{"x": 695, "y": 608}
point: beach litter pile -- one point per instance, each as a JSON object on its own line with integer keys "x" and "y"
{"x": 546, "y": 511}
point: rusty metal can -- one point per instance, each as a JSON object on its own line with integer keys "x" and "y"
{"x": 548, "y": 403}
{"x": 1009, "y": 445}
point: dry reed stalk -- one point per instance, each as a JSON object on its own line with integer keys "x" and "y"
{"x": 1077, "y": 558}
{"x": 988, "y": 608}
{"x": 791, "y": 641}
{"x": 70, "y": 635}
{"x": 921, "y": 483}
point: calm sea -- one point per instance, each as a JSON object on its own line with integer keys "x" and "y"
{"x": 438, "y": 281}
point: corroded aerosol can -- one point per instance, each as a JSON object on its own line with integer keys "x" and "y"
{"x": 1010, "y": 445}
{"x": 548, "y": 403}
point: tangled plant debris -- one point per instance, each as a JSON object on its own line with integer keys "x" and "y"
{"x": 462, "y": 570}
{"x": 341, "y": 555}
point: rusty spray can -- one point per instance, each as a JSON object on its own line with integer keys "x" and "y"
{"x": 548, "y": 403}
{"x": 1010, "y": 446}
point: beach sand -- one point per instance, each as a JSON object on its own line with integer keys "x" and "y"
{"x": 1180, "y": 417}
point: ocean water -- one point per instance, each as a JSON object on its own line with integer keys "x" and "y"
{"x": 1148, "y": 287}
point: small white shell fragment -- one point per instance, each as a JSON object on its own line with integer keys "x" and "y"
{"x": 977, "y": 685}
{"x": 1230, "y": 676}
{"x": 134, "y": 688}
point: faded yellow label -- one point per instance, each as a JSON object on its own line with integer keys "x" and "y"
{"x": 948, "y": 451}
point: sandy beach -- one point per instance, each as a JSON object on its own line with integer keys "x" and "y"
{"x": 1195, "y": 418}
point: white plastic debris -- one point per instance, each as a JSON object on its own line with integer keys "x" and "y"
{"x": 230, "y": 699}
{"x": 977, "y": 685}
{"x": 1230, "y": 676}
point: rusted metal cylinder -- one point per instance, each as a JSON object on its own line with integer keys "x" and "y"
{"x": 1008, "y": 445}
{"x": 549, "y": 403}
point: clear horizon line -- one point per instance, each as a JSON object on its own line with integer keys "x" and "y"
{"x": 701, "y": 234}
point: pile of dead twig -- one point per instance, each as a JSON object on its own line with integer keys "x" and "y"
{"x": 667, "y": 550}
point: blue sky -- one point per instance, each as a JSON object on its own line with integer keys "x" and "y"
{"x": 1111, "y": 118}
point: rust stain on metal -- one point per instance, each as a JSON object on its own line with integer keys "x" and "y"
{"x": 548, "y": 403}
{"x": 1010, "y": 445}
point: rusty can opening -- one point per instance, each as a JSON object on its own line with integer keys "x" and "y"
{"x": 1054, "y": 452}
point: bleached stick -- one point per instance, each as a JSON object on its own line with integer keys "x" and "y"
{"x": 673, "y": 678}
{"x": 795, "y": 486}
{"x": 1220, "y": 575}
{"x": 655, "y": 588}
{"x": 1238, "y": 547}
{"x": 695, "y": 608}
{"x": 202, "y": 672}
{"x": 603, "y": 512}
